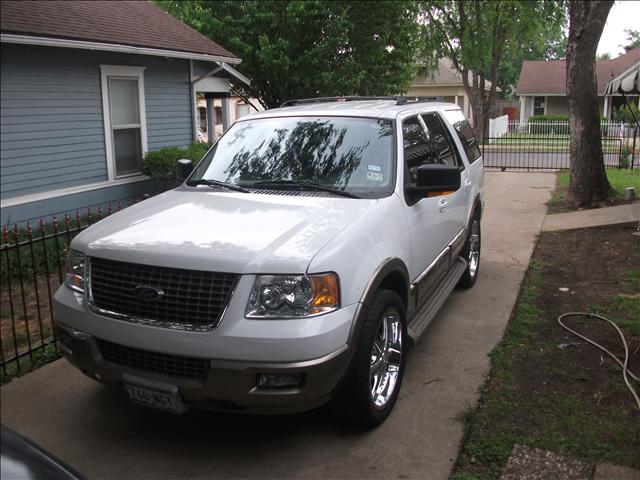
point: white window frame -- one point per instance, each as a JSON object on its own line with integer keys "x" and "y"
{"x": 544, "y": 104}
{"x": 121, "y": 72}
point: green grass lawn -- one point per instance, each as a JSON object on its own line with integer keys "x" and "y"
{"x": 619, "y": 180}
{"x": 546, "y": 142}
{"x": 547, "y": 389}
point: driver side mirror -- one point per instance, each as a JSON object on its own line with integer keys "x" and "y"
{"x": 184, "y": 167}
{"x": 434, "y": 178}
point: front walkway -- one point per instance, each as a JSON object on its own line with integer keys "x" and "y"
{"x": 99, "y": 433}
{"x": 594, "y": 217}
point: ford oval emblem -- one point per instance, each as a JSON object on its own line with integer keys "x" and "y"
{"x": 147, "y": 293}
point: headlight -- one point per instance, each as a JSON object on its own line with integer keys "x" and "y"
{"x": 293, "y": 296}
{"x": 74, "y": 276}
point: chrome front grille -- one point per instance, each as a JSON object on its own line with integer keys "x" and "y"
{"x": 189, "y": 299}
{"x": 174, "y": 365}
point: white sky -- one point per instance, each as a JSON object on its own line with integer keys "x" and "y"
{"x": 623, "y": 15}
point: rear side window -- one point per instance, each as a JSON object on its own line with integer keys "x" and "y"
{"x": 444, "y": 152}
{"x": 465, "y": 133}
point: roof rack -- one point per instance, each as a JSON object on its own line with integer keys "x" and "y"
{"x": 400, "y": 100}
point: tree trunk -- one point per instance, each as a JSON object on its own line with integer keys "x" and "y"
{"x": 588, "y": 182}
{"x": 474, "y": 91}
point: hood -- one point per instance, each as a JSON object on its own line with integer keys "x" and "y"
{"x": 224, "y": 232}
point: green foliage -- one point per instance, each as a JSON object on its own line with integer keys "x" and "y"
{"x": 42, "y": 356}
{"x": 483, "y": 36}
{"x": 48, "y": 254}
{"x": 623, "y": 114}
{"x": 548, "y": 118}
{"x": 550, "y": 44}
{"x": 298, "y": 49}
{"x": 625, "y": 153}
{"x": 633, "y": 39}
{"x": 196, "y": 151}
{"x": 160, "y": 164}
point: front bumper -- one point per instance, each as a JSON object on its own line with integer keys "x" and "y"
{"x": 226, "y": 385}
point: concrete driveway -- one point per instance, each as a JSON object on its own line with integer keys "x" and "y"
{"x": 97, "y": 431}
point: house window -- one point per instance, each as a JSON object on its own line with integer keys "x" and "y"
{"x": 538, "y": 105}
{"x": 124, "y": 119}
{"x": 202, "y": 118}
{"x": 242, "y": 109}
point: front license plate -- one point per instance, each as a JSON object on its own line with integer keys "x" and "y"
{"x": 154, "y": 394}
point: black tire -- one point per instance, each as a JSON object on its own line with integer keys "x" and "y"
{"x": 470, "y": 275}
{"x": 354, "y": 401}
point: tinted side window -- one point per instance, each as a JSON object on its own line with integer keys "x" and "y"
{"x": 445, "y": 152}
{"x": 465, "y": 133}
{"x": 417, "y": 149}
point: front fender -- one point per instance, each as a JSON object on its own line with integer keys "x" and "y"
{"x": 357, "y": 253}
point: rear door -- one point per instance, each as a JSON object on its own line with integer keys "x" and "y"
{"x": 468, "y": 145}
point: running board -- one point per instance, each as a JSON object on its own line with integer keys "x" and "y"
{"x": 428, "y": 311}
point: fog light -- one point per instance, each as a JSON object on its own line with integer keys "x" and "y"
{"x": 280, "y": 380}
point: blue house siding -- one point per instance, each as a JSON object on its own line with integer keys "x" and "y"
{"x": 51, "y": 122}
{"x": 47, "y": 209}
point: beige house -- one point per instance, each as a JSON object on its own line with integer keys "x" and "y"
{"x": 445, "y": 83}
{"x": 238, "y": 108}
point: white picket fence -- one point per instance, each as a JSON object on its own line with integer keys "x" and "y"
{"x": 498, "y": 127}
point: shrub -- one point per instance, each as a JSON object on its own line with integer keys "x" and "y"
{"x": 622, "y": 114}
{"x": 196, "y": 151}
{"x": 161, "y": 164}
{"x": 625, "y": 154}
{"x": 548, "y": 118}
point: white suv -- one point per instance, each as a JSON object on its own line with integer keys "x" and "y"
{"x": 293, "y": 267}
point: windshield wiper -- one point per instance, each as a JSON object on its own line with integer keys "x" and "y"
{"x": 217, "y": 183}
{"x": 303, "y": 186}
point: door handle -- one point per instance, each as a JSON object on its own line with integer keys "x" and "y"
{"x": 467, "y": 184}
{"x": 442, "y": 204}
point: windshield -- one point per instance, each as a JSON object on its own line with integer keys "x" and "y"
{"x": 349, "y": 154}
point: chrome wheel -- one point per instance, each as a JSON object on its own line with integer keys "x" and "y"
{"x": 386, "y": 358}
{"x": 474, "y": 248}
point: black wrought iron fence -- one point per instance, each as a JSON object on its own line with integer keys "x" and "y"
{"x": 545, "y": 146}
{"x": 32, "y": 267}
{"x": 548, "y": 153}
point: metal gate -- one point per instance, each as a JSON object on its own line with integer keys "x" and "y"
{"x": 545, "y": 146}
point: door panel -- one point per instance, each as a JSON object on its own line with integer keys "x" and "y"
{"x": 455, "y": 203}
{"x": 425, "y": 217}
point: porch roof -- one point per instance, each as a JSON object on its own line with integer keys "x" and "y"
{"x": 626, "y": 82}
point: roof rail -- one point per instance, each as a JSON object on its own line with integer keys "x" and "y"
{"x": 400, "y": 100}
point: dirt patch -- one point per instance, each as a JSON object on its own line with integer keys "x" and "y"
{"x": 17, "y": 319}
{"x": 549, "y": 389}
